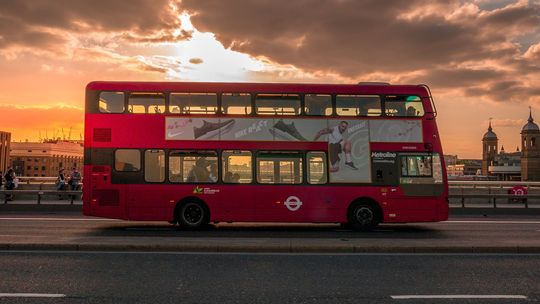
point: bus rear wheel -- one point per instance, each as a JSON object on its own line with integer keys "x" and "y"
{"x": 193, "y": 215}
{"x": 362, "y": 216}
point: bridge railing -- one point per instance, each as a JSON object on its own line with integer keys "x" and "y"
{"x": 71, "y": 195}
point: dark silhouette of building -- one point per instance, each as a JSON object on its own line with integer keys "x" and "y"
{"x": 5, "y": 142}
{"x": 489, "y": 149}
{"x": 520, "y": 165}
{"x": 530, "y": 156}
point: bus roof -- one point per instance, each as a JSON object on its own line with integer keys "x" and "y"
{"x": 239, "y": 87}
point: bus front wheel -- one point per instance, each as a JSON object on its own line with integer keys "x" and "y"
{"x": 193, "y": 215}
{"x": 362, "y": 216}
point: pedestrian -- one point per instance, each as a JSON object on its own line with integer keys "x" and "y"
{"x": 74, "y": 179}
{"x": 60, "y": 182}
{"x": 10, "y": 184}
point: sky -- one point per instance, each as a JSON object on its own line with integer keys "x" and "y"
{"x": 480, "y": 58}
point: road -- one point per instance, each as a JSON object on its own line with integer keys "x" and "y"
{"x": 70, "y": 231}
{"x": 67, "y": 258}
{"x": 153, "y": 277}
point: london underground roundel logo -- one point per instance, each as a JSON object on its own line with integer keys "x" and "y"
{"x": 293, "y": 203}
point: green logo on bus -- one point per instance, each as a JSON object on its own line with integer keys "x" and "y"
{"x": 198, "y": 190}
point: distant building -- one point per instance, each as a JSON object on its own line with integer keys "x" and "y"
{"x": 519, "y": 165}
{"x": 46, "y": 158}
{"x": 489, "y": 149}
{"x": 530, "y": 157}
{"x": 5, "y": 142}
{"x": 459, "y": 168}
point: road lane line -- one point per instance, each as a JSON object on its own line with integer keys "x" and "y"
{"x": 491, "y": 222}
{"x": 32, "y": 295}
{"x": 410, "y": 297}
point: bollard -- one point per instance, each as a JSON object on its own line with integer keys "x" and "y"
{"x": 462, "y": 199}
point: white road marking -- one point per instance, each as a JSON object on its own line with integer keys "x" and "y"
{"x": 115, "y": 220}
{"x": 491, "y": 222}
{"x": 32, "y": 295}
{"x": 409, "y": 297}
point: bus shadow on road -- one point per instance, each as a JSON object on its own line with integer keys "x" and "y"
{"x": 400, "y": 231}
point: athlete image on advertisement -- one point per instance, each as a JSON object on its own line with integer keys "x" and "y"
{"x": 348, "y": 151}
{"x": 336, "y": 145}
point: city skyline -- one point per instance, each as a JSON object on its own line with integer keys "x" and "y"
{"x": 476, "y": 70}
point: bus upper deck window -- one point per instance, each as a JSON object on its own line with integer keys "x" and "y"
{"x": 193, "y": 103}
{"x": 146, "y": 103}
{"x": 358, "y": 105}
{"x": 404, "y": 106}
{"x": 318, "y": 104}
{"x": 111, "y": 102}
{"x": 278, "y": 104}
{"x": 236, "y": 103}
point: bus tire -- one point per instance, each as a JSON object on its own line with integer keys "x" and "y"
{"x": 363, "y": 216}
{"x": 193, "y": 214}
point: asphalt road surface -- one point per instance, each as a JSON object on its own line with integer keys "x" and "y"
{"x": 152, "y": 277}
{"x": 75, "y": 232}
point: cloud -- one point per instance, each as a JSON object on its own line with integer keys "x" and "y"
{"x": 54, "y": 26}
{"x": 505, "y": 122}
{"x": 196, "y": 61}
{"x": 473, "y": 48}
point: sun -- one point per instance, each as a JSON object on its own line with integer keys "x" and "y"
{"x": 203, "y": 57}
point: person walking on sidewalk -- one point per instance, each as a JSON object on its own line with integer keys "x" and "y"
{"x": 10, "y": 183}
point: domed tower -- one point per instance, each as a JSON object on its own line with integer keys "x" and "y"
{"x": 530, "y": 150}
{"x": 489, "y": 149}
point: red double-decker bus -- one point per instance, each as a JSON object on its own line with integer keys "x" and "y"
{"x": 194, "y": 153}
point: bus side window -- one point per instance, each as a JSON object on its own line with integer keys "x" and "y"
{"x": 279, "y": 167}
{"x": 318, "y": 104}
{"x": 237, "y": 167}
{"x": 236, "y": 103}
{"x": 154, "y": 166}
{"x": 127, "y": 160}
{"x": 193, "y": 103}
{"x": 193, "y": 166}
{"x": 316, "y": 167}
{"x": 358, "y": 105}
{"x": 404, "y": 106}
{"x": 278, "y": 104}
{"x": 416, "y": 166}
{"x": 146, "y": 103}
{"x": 111, "y": 102}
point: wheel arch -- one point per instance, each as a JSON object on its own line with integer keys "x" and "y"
{"x": 186, "y": 200}
{"x": 371, "y": 202}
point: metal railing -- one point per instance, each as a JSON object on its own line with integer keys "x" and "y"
{"x": 491, "y": 192}
{"x": 492, "y": 198}
{"x": 71, "y": 194}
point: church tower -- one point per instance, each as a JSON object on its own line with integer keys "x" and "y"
{"x": 489, "y": 149}
{"x": 530, "y": 150}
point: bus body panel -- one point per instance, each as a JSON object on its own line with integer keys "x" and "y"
{"x": 107, "y": 193}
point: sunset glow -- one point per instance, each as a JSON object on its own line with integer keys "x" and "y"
{"x": 480, "y": 58}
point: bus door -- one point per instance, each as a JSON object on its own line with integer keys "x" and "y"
{"x": 106, "y": 197}
{"x": 283, "y": 194}
{"x": 420, "y": 187}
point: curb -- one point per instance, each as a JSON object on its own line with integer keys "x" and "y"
{"x": 208, "y": 248}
